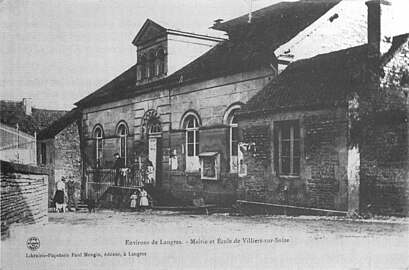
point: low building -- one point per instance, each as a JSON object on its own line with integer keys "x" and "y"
{"x": 331, "y": 132}
{"x": 59, "y": 150}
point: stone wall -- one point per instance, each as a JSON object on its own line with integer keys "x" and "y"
{"x": 24, "y": 195}
{"x": 322, "y": 182}
{"x": 385, "y": 151}
{"x": 385, "y": 168}
{"x": 63, "y": 157}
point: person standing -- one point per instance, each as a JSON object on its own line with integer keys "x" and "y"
{"x": 71, "y": 194}
{"x": 117, "y": 168}
{"x": 143, "y": 201}
{"x": 134, "y": 200}
{"x": 60, "y": 193}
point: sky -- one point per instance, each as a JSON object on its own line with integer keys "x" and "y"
{"x": 56, "y": 52}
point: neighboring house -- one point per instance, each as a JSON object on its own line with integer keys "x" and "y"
{"x": 17, "y": 146}
{"x": 331, "y": 132}
{"x": 183, "y": 118}
{"x": 19, "y": 124}
{"x": 58, "y": 149}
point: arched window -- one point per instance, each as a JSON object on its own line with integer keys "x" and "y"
{"x": 234, "y": 141}
{"x": 160, "y": 62}
{"x": 155, "y": 127}
{"x": 230, "y": 120}
{"x": 141, "y": 68}
{"x": 150, "y": 68}
{"x": 191, "y": 125}
{"x": 122, "y": 132}
{"x": 98, "y": 136}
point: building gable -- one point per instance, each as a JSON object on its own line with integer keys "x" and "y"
{"x": 148, "y": 31}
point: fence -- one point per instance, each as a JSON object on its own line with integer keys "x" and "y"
{"x": 17, "y": 147}
{"x": 99, "y": 180}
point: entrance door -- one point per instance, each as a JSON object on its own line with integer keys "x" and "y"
{"x": 153, "y": 151}
{"x": 155, "y": 156}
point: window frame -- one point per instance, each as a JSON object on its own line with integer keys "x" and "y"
{"x": 150, "y": 65}
{"x": 160, "y": 62}
{"x": 99, "y": 144}
{"x": 233, "y": 127}
{"x": 292, "y": 140}
{"x": 192, "y": 159}
{"x": 142, "y": 67}
{"x": 123, "y": 140}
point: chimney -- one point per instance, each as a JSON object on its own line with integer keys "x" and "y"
{"x": 380, "y": 27}
{"x": 28, "y": 106}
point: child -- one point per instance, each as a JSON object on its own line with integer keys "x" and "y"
{"x": 134, "y": 199}
{"x": 143, "y": 201}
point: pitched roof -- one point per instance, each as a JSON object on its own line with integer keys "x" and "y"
{"x": 116, "y": 89}
{"x": 12, "y": 113}
{"x": 60, "y": 124}
{"x": 280, "y": 15}
{"x": 250, "y": 47}
{"x": 321, "y": 81}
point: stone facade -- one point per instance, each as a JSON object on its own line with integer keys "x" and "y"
{"x": 23, "y": 195}
{"x": 210, "y": 101}
{"x": 61, "y": 155}
{"x": 322, "y": 180}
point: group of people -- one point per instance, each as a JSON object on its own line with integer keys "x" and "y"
{"x": 65, "y": 193}
{"x": 140, "y": 199}
{"x": 147, "y": 172}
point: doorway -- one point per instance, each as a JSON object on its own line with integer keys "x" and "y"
{"x": 155, "y": 150}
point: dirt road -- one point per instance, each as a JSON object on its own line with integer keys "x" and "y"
{"x": 175, "y": 240}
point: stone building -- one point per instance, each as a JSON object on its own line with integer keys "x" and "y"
{"x": 59, "y": 151}
{"x": 331, "y": 132}
{"x": 178, "y": 108}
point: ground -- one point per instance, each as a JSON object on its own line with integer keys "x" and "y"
{"x": 161, "y": 239}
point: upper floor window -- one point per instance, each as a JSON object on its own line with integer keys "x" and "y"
{"x": 98, "y": 136}
{"x": 160, "y": 62}
{"x": 288, "y": 133}
{"x": 141, "y": 68}
{"x": 122, "y": 132}
{"x": 150, "y": 68}
{"x": 191, "y": 125}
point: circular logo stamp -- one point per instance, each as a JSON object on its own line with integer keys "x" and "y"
{"x": 33, "y": 243}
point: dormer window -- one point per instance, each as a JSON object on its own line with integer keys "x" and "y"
{"x": 150, "y": 67}
{"x": 160, "y": 62}
{"x": 141, "y": 68}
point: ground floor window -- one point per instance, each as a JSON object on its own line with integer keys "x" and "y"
{"x": 192, "y": 143}
{"x": 288, "y": 144}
